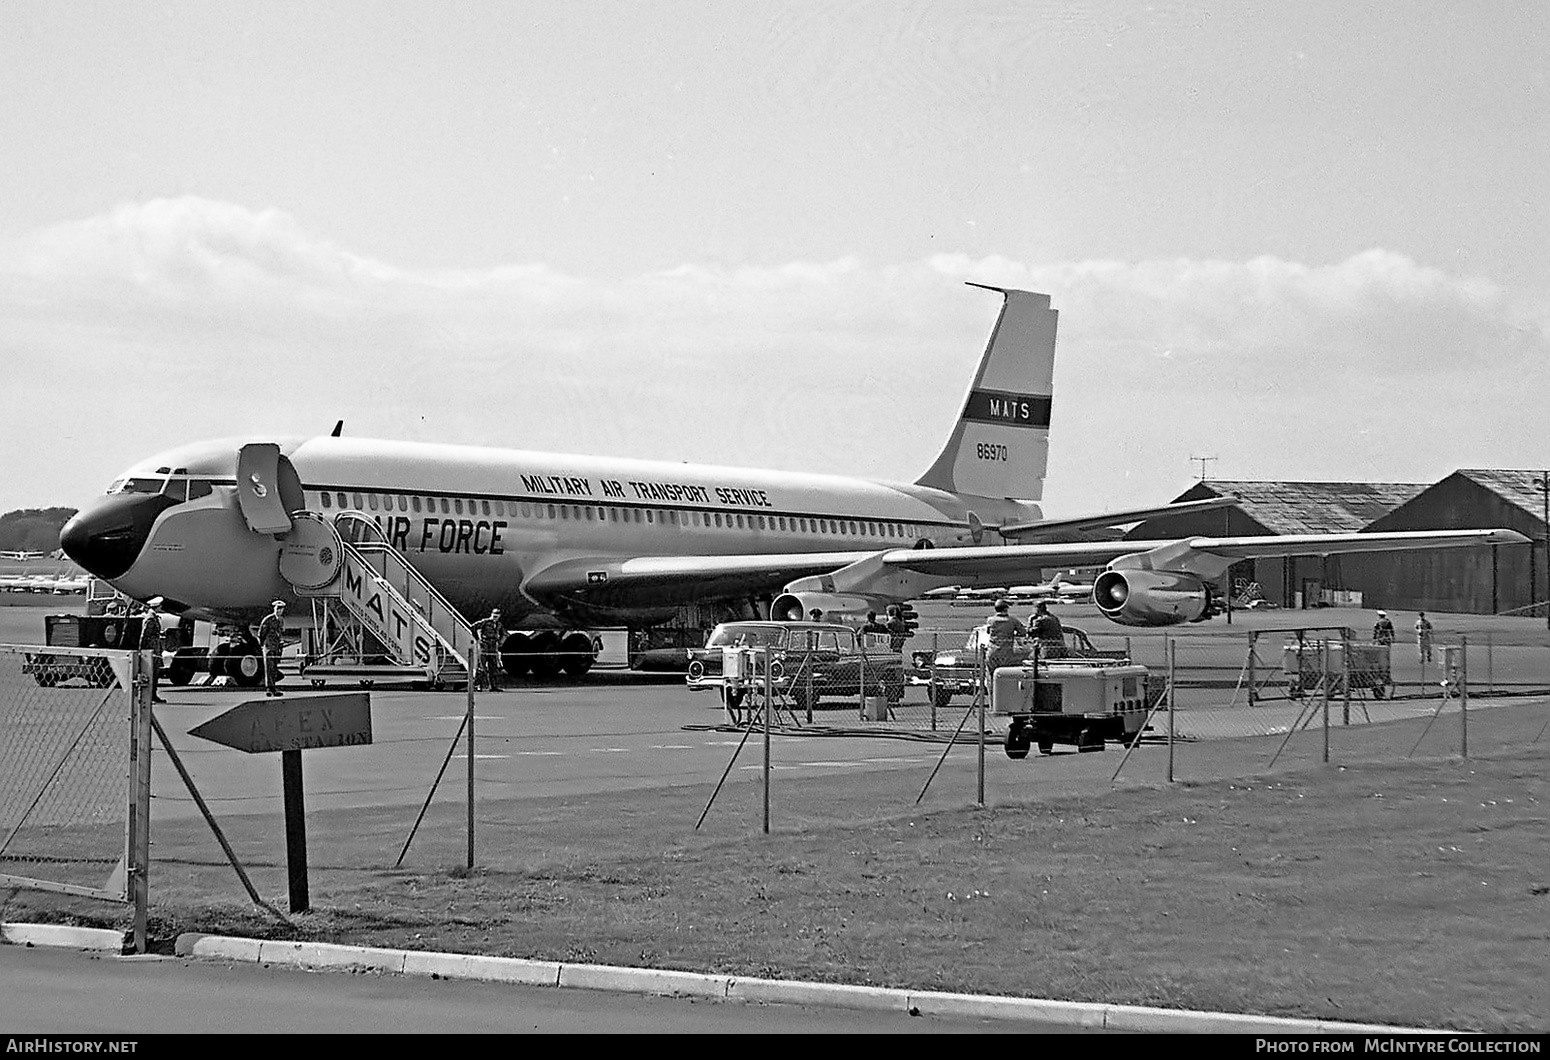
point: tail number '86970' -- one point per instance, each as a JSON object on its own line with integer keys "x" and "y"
{"x": 990, "y": 451}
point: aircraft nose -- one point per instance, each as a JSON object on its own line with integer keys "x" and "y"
{"x": 106, "y": 538}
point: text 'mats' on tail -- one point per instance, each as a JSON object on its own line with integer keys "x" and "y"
{"x": 1000, "y": 444}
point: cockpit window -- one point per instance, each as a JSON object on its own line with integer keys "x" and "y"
{"x": 177, "y": 489}
{"x": 198, "y": 487}
{"x": 142, "y": 485}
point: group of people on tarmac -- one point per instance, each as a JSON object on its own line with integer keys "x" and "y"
{"x": 1383, "y": 633}
{"x": 1003, "y": 629}
{"x": 896, "y": 628}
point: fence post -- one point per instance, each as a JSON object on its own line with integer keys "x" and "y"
{"x": 1345, "y": 683}
{"x": 983, "y": 695}
{"x": 812, "y": 649}
{"x": 767, "y": 701}
{"x": 1463, "y": 680}
{"x": 931, "y": 683}
{"x": 1324, "y": 686}
{"x": 473, "y": 670}
{"x": 1171, "y": 645}
{"x": 139, "y": 862}
{"x": 1490, "y": 680}
{"x": 1253, "y": 655}
{"x": 861, "y": 680}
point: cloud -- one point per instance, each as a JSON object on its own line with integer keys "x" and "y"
{"x": 229, "y": 319}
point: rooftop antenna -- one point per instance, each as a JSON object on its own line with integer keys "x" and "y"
{"x": 1204, "y": 460}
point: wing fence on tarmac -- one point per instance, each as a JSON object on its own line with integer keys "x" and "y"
{"x": 65, "y": 740}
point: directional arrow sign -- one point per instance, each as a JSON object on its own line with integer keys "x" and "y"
{"x": 292, "y": 726}
{"x": 299, "y": 724}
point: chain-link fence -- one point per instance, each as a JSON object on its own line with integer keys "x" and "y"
{"x": 1224, "y": 684}
{"x": 70, "y": 792}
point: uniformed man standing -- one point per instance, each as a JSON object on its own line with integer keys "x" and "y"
{"x": 898, "y": 629}
{"x": 872, "y": 625}
{"x": 1423, "y": 637}
{"x": 151, "y": 641}
{"x": 489, "y": 632}
{"x": 1383, "y": 629}
{"x": 271, "y": 638}
{"x": 1002, "y": 631}
{"x": 1048, "y": 631}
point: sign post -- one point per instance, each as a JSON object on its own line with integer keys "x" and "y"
{"x": 291, "y": 727}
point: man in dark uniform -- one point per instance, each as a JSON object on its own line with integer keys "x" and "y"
{"x": 1048, "y": 631}
{"x": 872, "y": 625}
{"x": 1383, "y": 629}
{"x": 1002, "y": 630}
{"x": 489, "y": 632}
{"x": 151, "y": 641}
{"x": 898, "y": 630}
{"x": 271, "y": 639}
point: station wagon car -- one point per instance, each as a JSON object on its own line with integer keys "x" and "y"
{"x": 809, "y": 661}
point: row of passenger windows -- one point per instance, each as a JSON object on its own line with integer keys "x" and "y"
{"x": 372, "y": 502}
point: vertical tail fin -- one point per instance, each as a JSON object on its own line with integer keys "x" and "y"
{"x": 1000, "y": 444}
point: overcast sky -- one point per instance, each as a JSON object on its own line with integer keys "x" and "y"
{"x": 1308, "y": 239}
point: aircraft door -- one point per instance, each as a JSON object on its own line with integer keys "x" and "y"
{"x": 268, "y": 488}
{"x": 310, "y": 559}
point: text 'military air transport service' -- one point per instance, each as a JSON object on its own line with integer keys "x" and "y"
{"x": 564, "y": 542}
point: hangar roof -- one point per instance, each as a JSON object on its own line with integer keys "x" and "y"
{"x": 1311, "y": 507}
{"x": 1515, "y": 487}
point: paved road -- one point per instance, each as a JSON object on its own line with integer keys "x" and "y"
{"x": 46, "y": 991}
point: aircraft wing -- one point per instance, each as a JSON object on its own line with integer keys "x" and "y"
{"x": 1044, "y": 528}
{"x": 645, "y": 581}
{"x": 1207, "y": 557}
{"x": 659, "y": 580}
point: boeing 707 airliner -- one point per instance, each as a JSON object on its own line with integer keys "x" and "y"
{"x": 563, "y": 542}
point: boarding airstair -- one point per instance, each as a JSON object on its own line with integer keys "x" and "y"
{"x": 374, "y": 616}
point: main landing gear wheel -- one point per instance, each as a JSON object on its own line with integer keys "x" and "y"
{"x": 1017, "y": 742}
{"x": 576, "y": 654}
{"x": 515, "y": 654}
{"x": 184, "y": 665}
{"x": 544, "y": 659}
{"x": 245, "y": 667}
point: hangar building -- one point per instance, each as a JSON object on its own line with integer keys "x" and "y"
{"x": 1469, "y": 581}
{"x": 1464, "y": 581}
{"x": 1288, "y": 508}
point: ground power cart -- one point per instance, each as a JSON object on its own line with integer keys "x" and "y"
{"x": 1069, "y": 703}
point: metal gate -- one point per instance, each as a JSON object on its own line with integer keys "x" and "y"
{"x": 75, "y": 773}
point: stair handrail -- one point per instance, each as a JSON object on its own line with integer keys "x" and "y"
{"x": 374, "y": 543}
{"x": 463, "y": 637}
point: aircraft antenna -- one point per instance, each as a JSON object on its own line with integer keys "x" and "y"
{"x": 338, "y": 430}
{"x": 1203, "y": 461}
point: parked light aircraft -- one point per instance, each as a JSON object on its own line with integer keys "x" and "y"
{"x": 561, "y": 541}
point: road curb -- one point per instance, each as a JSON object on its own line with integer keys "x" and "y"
{"x": 669, "y": 982}
{"x": 74, "y": 938}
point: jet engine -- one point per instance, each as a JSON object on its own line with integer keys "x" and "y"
{"x": 848, "y": 609}
{"x": 1152, "y": 597}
